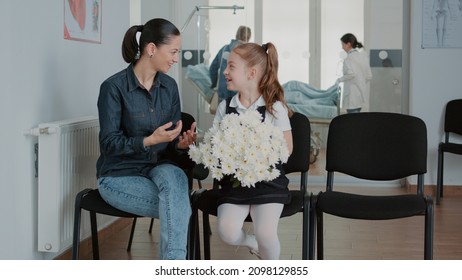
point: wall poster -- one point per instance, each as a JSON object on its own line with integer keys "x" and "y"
{"x": 442, "y": 24}
{"x": 82, "y": 20}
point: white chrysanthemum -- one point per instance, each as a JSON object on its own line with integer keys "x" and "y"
{"x": 242, "y": 146}
{"x": 284, "y": 155}
{"x": 194, "y": 153}
{"x": 216, "y": 173}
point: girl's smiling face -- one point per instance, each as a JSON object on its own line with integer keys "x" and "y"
{"x": 235, "y": 72}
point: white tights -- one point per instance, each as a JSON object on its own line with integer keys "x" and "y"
{"x": 265, "y": 219}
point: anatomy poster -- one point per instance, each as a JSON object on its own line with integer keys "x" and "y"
{"x": 442, "y": 24}
{"x": 82, "y": 20}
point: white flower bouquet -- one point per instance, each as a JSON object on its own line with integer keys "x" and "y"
{"x": 243, "y": 147}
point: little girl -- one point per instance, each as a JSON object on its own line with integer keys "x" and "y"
{"x": 252, "y": 72}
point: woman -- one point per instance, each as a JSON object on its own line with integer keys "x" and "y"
{"x": 356, "y": 76}
{"x": 220, "y": 61}
{"x": 252, "y": 72}
{"x": 139, "y": 114}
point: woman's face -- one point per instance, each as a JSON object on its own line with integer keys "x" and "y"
{"x": 166, "y": 55}
{"x": 236, "y": 72}
{"x": 346, "y": 46}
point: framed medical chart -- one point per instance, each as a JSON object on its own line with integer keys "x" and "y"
{"x": 441, "y": 24}
{"x": 82, "y": 20}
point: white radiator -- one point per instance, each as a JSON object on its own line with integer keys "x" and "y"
{"x": 67, "y": 154}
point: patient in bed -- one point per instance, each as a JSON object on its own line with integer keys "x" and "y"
{"x": 301, "y": 97}
{"x": 310, "y": 101}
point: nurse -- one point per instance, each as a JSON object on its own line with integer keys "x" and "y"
{"x": 356, "y": 77}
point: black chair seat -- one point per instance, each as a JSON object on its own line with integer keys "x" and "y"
{"x": 207, "y": 201}
{"x": 296, "y": 203}
{"x": 451, "y": 148}
{"x": 92, "y": 201}
{"x": 200, "y": 172}
{"x": 355, "y": 206}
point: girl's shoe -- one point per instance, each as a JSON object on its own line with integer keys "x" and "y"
{"x": 253, "y": 249}
{"x": 255, "y": 252}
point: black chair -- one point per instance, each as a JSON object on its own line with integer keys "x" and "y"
{"x": 452, "y": 124}
{"x": 299, "y": 161}
{"x": 91, "y": 200}
{"x": 381, "y": 147}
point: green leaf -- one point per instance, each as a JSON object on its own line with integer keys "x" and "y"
{"x": 236, "y": 183}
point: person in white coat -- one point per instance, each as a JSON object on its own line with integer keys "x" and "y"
{"x": 356, "y": 75}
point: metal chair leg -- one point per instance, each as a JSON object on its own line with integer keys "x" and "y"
{"x": 312, "y": 228}
{"x": 94, "y": 235}
{"x": 76, "y": 237}
{"x": 439, "y": 175}
{"x": 77, "y": 221}
{"x": 150, "y": 225}
{"x": 320, "y": 235}
{"x": 206, "y": 233}
{"x": 428, "y": 247}
{"x": 132, "y": 232}
{"x": 306, "y": 226}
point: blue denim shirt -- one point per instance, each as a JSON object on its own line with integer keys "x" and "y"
{"x": 127, "y": 114}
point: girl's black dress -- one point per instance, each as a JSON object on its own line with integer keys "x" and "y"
{"x": 275, "y": 191}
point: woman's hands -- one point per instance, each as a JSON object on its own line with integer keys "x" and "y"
{"x": 188, "y": 137}
{"x": 162, "y": 135}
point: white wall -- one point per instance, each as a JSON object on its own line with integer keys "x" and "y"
{"x": 338, "y": 17}
{"x": 46, "y": 78}
{"x": 292, "y": 43}
{"x": 435, "y": 76}
{"x": 434, "y": 79}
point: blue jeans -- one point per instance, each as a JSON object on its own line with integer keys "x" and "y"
{"x": 164, "y": 195}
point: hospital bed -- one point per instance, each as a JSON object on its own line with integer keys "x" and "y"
{"x": 199, "y": 77}
{"x": 318, "y": 105}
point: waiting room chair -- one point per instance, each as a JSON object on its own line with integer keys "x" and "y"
{"x": 381, "y": 147}
{"x": 91, "y": 200}
{"x": 299, "y": 161}
{"x": 452, "y": 124}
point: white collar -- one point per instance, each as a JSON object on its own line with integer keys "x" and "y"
{"x": 236, "y": 103}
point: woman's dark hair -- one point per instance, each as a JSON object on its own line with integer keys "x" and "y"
{"x": 158, "y": 31}
{"x": 350, "y": 38}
